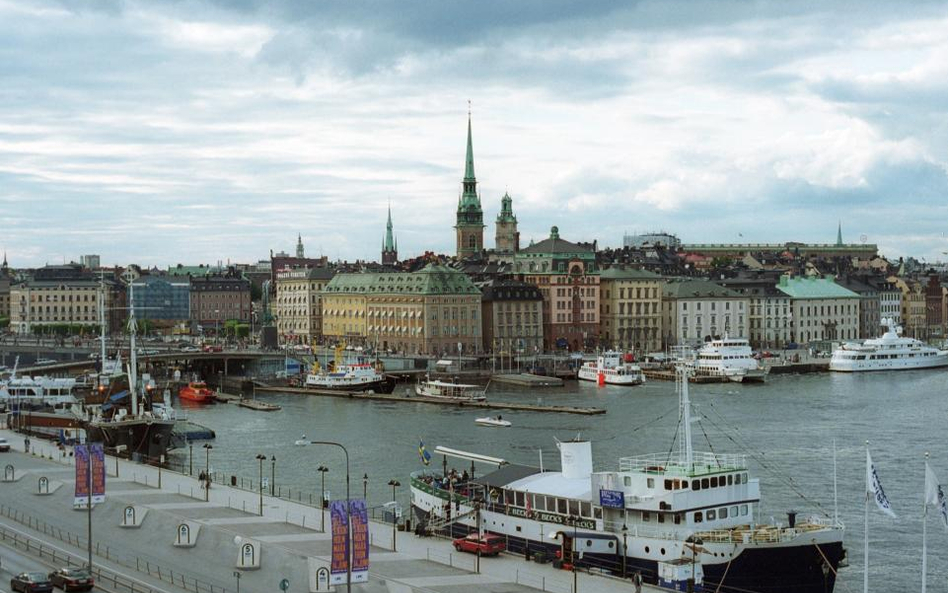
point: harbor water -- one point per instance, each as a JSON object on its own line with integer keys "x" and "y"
{"x": 786, "y": 427}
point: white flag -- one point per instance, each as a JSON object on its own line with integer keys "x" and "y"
{"x": 874, "y": 487}
{"x": 934, "y": 494}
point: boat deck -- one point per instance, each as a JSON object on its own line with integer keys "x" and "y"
{"x": 527, "y": 380}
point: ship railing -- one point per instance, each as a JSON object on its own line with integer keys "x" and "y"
{"x": 615, "y": 527}
{"x": 676, "y": 464}
{"x": 767, "y": 533}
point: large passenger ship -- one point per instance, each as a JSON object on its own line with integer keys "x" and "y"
{"x": 651, "y": 514}
{"x": 731, "y": 358}
{"x": 610, "y": 369}
{"x": 891, "y": 352}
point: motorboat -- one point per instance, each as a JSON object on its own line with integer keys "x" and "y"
{"x": 491, "y": 421}
{"x": 301, "y": 442}
{"x": 196, "y": 391}
{"x": 609, "y": 368}
{"x": 731, "y": 358}
{"x": 454, "y": 391}
{"x": 891, "y": 352}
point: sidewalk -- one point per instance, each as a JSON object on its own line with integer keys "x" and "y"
{"x": 290, "y": 536}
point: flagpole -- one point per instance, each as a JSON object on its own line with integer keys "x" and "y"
{"x": 925, "y": 530}
{"x": 865, "y": 578}
{"x": 835, "y": 498}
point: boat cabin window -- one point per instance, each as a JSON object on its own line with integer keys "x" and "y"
{"x": 628, "y": 481}
{"x": 650, "y": 482}
{"x": 698, "y": 517}
{"x": 711, "y": 515}
{"x": 597, "y": 512}
{"x": 661, "y": 517}
{"x": 574, "y": 507}
{"x": 677, "y": 518}
{"x": 509, "y": 496}
{"x": 722, "y": 513}
{"x": 561, "y": 505}
{"x": 520, "y": 501}
{"x": 743, "y": 509}
{"x": 646, "y": 516}
{"x": 714, "y": 482}
{"x": 743, "y": 478}
{"x": 733, "y": 511}
{"x": 585, "y": 509}
{"x": 695, "y": 485}
{"x": 551, "y": 504}
{"x": 705, "y": 483}
{"x": 730, "y": 480}
{"x": 669, "y": 485}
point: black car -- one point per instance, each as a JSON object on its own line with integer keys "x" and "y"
{"x": 31, "y": 582}
{"x": 72, "y": 579}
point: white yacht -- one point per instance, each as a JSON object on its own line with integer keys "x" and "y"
{"x": 33, "y": 393}
{"x": 358, "y": 376}
{"x": 731, "y": 358}
{"x": 447, "y": 390}
{"x": 891, "y": 352}
{"x": 609, "y": 368}
{"x": 649, "y": 515}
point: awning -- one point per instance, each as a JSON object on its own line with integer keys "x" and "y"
{"x": 113, "y": 399}
{"x": 476, "y": 457}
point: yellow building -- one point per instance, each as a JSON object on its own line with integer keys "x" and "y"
{"x": 298, "y": 303}
{"x": 630, "y": 308}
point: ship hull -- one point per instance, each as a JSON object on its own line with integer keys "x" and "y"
{"x": 146, "y": 438}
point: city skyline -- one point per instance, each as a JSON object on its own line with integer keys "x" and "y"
{"x": 204, "y": 132}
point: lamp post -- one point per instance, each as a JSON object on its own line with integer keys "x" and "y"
{"x": 273, "y": 471}
{"x": 394, "y": 484}
{"x": 625, "y": 533}
{"x": 217, "y": 325}
{"x": 190, "y": 458}
{"x": 365, "y": 486}
{"x": 322, "y": 469}
{"x": 572, "y": 554}
{"x": 207, "y": 470}
{"x": 261, "y": 459}
{"x": 348, "y": 512}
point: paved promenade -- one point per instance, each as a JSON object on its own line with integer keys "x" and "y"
{"x": 288, "y": 536}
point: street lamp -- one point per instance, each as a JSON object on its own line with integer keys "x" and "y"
{"x": 273, "y": 471}
{"x": 217, "y": 325}
{"x": 625, "y": 533}
{"x": 322, "y": 469}
{"x": 572, "y": 553}
{"x": 190, "y": 458}
{"x": 261, "y": 459}
{"x": 207, "y": 470}
{"x": 365, "y": 486}
{"x": 394, "y": 484}
{"x": 348, "y": 512}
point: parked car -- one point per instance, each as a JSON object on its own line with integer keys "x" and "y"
{"x": 4, "y": 445}
{"x": 213, "y": 348}
{"x": 190, "y": 349}
{"x": 31, "y": 582}
{"x": 487, "y": 544}
{"x": 72, "y": 579}
{"x": 45, "y": 361}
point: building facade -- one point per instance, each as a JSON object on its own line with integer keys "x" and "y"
{"x": 769, "y": 313}
{"x": 630, "y": 309}
{"x": 65, "y": 295}
{"x": 506, "y": 236}
{"x": 822, "y": 309}
{"x": 568, "y": 278}
{"x": 163, "y": 300}
{"x": 512, "y": 317}
{"x": 430, "y": 311}
{"x": 298, "y": 304}
{"x": 696, "y": 311}
{"x": 218, "y": 299}
{"x": 470, "y": 216}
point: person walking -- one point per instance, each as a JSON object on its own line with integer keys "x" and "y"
{"x": 202, "y": 478}
{"x": 637, "y": 581}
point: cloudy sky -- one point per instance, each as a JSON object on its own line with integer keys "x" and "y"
{"x": 196, "y": 131}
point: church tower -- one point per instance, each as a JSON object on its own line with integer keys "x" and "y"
{"x": 506, "y": 237}
{"x": 470, "y": 218}
{"x": 299, "y": 246}
{"x": 389, "y": 243}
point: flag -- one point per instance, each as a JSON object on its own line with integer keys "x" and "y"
{"x": 874, "y": 487}
{"x": 423, "y": 453}
{"x": 934, "y": 494}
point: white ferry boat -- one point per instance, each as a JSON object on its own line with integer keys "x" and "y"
{"x": 648, "y": 515}
{"x": 891, "y": 352}
{"x": 731, "y": 358}
{"x": 358, "y": 376}
{"x": 609, "y": 368}
{"x": 448, "y": 390}
{"x": 33, "y": 393}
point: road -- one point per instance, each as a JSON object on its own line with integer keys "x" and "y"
{"x": 16, "y": 561}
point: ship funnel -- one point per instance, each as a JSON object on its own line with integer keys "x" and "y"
{"x": 575, "y": 458}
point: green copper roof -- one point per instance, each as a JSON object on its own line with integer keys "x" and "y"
{"x": 433, "y": 279}
{"x": 812, "y": 287}
{"x": 469, "y": 206}
{"x": 389, "y": 244}
{"x": 839, "y": 234}
{"x": 469, "y": 161}
{"x": 506, "y": 209}
{"x": 622, "y": 273}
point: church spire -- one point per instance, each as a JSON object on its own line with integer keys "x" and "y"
{"x": 389, "y": 240}
{"x": 469, "y": 161}
{"x": 839, "y": 234}
{"x": 299, "y": 246}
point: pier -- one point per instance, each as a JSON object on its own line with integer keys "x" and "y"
{"x": 663, "y": 375}
{"x": 487, "y": 405}
{"x": 527, "y": 380}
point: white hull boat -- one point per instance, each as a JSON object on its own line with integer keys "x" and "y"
{"x": 495, "y": 422}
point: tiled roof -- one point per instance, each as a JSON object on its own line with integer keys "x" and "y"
{"x": 432, "y": 279}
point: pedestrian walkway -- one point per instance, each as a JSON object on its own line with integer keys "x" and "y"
{"x": 289, "y": 535}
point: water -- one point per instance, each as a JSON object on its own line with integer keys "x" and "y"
{"x": 786, "y": 427}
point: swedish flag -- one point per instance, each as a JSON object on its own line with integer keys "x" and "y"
{"x": 423, "y": 453}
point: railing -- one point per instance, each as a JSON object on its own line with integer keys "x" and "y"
{"x": 615, "y": 528}
{"x": 139, "y": 563}
{"x": 676, "y": 464}
{"x": 768, "y": 533}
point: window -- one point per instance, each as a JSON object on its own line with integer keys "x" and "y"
{"x": 695, "y": 484}
{"x": 743, "y": 509}
{"x": 561, "y": 505}
{"x": 669, "y": 485}
{"x": 677, "y": 518}
{"x": 730, "y": 480}
{"x": 650, "y": 482}
{"x": 574, "y": 507}
{"x": 711, "y": 515}
{"x": 698, "y": 517}
{"x": 585, "y": 509}
{"x": 646, "y": 516}
{"x": 705, "y": 483}
{"x": 628, "y": 481}
{"x": 520, "y": 501}
{"x": 733, "y": 511}
{"x": 714, "y": 482}
{"x": 722, "y": 513}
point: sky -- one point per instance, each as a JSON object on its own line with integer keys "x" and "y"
{"x": 197, "y": 131}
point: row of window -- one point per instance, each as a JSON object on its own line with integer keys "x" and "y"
{"x": 551, "y": 504}
{"x": 721, "y": 513}
{"x": 727, "y": 306}
{"x": 568, "y": 317}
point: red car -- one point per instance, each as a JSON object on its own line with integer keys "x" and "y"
{"x": 487, "y": 544}
{"x": 72, "y": 579}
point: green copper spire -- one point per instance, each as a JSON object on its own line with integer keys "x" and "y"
{"x": 389, "y": 239}
{"x": 469, "y": 199}
{"x": 469, "y": 161}
{"x": 506, "y": 209}
{"x": 839, "y": 234}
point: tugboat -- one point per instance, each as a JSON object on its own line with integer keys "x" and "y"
{"x": 667, "y": 516}
{"x": 196, "y": 391}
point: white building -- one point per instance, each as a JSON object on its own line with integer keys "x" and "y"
{"x": 696, "y": 310}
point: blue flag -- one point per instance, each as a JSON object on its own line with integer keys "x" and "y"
{"x": 423, "y": 453}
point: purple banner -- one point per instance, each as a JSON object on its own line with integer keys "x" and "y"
{"x": 82, "y": 475}
{"x": 340, "y": 542}
{"x": 360, "y": 541}
{"x": 98, "y": 472}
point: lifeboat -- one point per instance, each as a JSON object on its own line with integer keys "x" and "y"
{"x": 196, "y": 391}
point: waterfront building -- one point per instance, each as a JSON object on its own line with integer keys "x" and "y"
{"x": 66, "y": 295}
{"x": 470, "y": 216}
{"x": 657, "y": 239}
{"x": 697, "y": 311}
{"x": 506, "y": 236}
{"x": 822, "y": 310}
{"x": 298, "y": 303}
{"x": 934, "y": 307}
{"x": 890, "y": 299}
{"x": 512, "y": 317}
{"x": 90, "y": 262}
{"x": 165, "y": 301}
{"x": 389, "y": 243}
{"x": 769, "y": 309}
{"x": 630, "y": 309}
{"x": 870, "y": 312}
{"x": 913, "y": 303}
{"x": 568, "y": 278}
{"x": 430, "y": 311}
{"x": 860, "y": 251}
{"x": 219, "y": 298}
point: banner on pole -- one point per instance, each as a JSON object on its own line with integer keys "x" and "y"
{"x": 934, "y": 494}
{"x": 339, "y": 564}
{"x": 360, "y": 541}
{"x": 97, "y": 456}
{"x": 82, "y": 475}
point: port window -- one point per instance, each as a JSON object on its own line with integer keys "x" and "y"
{"x": 743, "y": 509}
{"x": 519, "y": 529}
{"x": 722, "y": 513}
{"x": 711, "y": 515}
{"x": 705, "y": 483}
{"x": 714, "y": 482}
{"x": 650, "y": 482}
{"x": 730, "y": 480}
{"x": 695, "y": 485}
{"x": 669, "y": 485}
{"x": 573, "y": 507}
{"x": 699, "y": 517}
{"x": 561, "y": 505}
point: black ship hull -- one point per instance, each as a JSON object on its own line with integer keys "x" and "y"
{"x": 141, "y": 438}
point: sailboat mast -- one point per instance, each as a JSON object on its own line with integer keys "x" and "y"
{"x": 133, "y": 366}
{"x": 102, "y": 324}
{"x": 681, "y": 372}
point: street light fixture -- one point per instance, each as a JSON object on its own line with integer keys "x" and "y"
{"x": 394, "y": 484}
{"x": 348, "y": 512}
{"x": 572, "y": 553}
{"x": 261, "y": 459}
{"x": 322, "y": 469}
{"x": 273, "y": 471}
{"x": 207, "y": 470}
{"x": 625, "y": 533}
{"x": 365, "y": 486}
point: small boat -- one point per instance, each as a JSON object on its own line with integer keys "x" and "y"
{"x": 491, "y": 421}
{"x": 610, "y": 369}
{"x": 301, "y": 442}
{"x": 196, "y": 391}
{"x": 455, "y": 391}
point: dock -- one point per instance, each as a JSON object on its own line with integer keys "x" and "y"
{"x": 226, "y": 398}
{"x": 258, "y": 405}
{"x": 527, "y": 380}
{"x": 415, "y": 399}
{"x": 661, "y": 375}
{"x": 818, "y": 366}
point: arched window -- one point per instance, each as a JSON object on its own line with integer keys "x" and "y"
{"x": 472, "y": 242}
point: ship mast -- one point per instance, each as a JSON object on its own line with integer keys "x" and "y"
{"x": 102, "y": 324}
{"x": 684, "y": 403}
{"x": 133, "y": 365}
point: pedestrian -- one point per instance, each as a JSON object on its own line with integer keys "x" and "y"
{"x": 202, "y": 477}
{"x": 637, "y": 581}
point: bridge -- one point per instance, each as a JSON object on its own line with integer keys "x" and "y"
{"x": 223, "y": 358}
